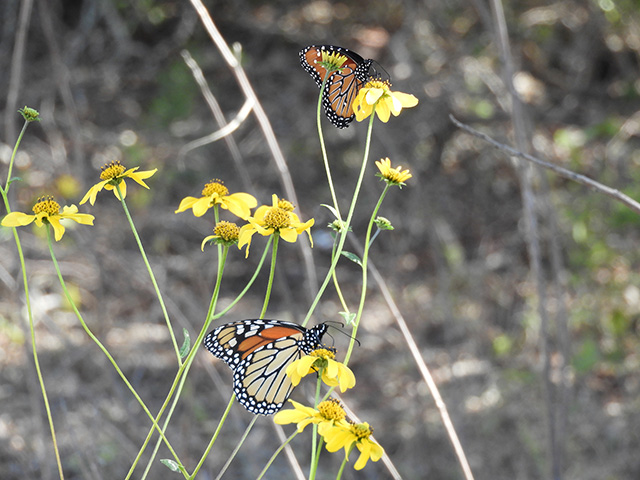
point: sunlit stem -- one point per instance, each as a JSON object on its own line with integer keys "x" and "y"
{"x": 275, "y": 454}
{"x": 345, "y": 227}
{"x": 7, "y": 185}
{"x": 215, "y": 436}
{"x": 325, "y": 159}
{"x": 315, "y": 452}
{"x": 365, "y": 261}
{"x": 181, "y": 376}
{"x": 235, "y": 450}
{"x": 336, "y": 284}
{"x": 99, "y": 343}
{"x": 151, "y": 275}
{"x": 272, "y": 272}
{"x": 344, "y": 464}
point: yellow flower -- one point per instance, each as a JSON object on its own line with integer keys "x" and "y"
{"x": 393, "y": 176}
{"x": 347, "y": 435}
{"x": 215, "y": 193}
{"x": 326, "y": 415}
{"x": 333, "y": 373}
{"x": 279, "y": 218}
{"x": 47, "y": 210}
{"x": 377, "y": 94}
{"x": 114, "y": 174}
{"x": 225, "y": 233}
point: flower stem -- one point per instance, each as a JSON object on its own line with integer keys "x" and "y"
{"x": 275, "y": 454}
{"x": 100, "y": 345}
{"x": 325, "y": 159}
{"x": 365, "y": 260}
{"x": 272, "y": 272}
{"x": 13, "y": 157}
{"x": 315, "y": 452}
{"x": 235, "y": 450}
{"x": 213, "y": 439}
{"x": 345, "y": 227}
{"x": 181, "y": 376}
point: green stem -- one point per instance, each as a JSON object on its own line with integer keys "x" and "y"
{"x": 365, "y": 260}
{"x": 100, "y": 345}
{"x": 325, "y": 158}
{"x": 235, "y": 450}
{"x": 336, "y": 284}
{"x": 275, "y": 454}
{"x": 344, "y": 464}
{"x": 213, "y": 439}
{"x": 345, "y": 228}
{"x": 151, "y": 275}
{"x": 13, "y": 156}
{"x": 181, "y": 376}
{"x": 314, "y": 437}
{"x": 272, "y": 272}
{"x": 36, "y": 362}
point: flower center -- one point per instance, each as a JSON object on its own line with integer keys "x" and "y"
{"x": 47, "y": 205}
{"x": 323, "y": 353}
{"x": 361, "y": 430}
{"x": 215, "y": 187}
{"x": 331, "y": 410}
{"x": 277, "y": 218}
{"x": 112, "y": 170}
{"x": 228, "y": 231}
{"x": 285, "y": 205}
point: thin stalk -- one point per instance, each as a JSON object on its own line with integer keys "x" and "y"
{"x": 235, "y": 450}
{"x": 365, "y": 261}
{"x": 325, "y": 158}
{"x": 345, "y": 227}
{"x": 214, "y": 438}
{"x": 344, "y": 464}
{"x": 184, "y": 369}
{"x": 13, "y": 156}
{"x": 272, "y": 272}
{"x": 314, "y": 436}
{"x": 99, "y": 343}
{"x": 151, "y": 275}
{"x": 275, "y": 454}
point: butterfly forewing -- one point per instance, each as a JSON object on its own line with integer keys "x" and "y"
{"x": 259, "y": 351}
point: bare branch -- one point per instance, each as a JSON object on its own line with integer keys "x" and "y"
{"x": 563, "y": 172}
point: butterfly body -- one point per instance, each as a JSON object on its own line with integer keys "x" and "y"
{"x": 342, "y": 85}
{"x": 259, "y": 352}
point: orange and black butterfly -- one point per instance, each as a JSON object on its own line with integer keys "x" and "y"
{"x": 343, "y": 85}
{"x": 259, "y": 352}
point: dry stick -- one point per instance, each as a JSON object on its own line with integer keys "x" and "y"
{"x": 15, "y": 75}
{"x": 563, "y": 172}
{"x": 214, "y": 106}
{"x": 267, "y": 131}
{"x": 422, "y": 367}
{"x": 525, "y": 172}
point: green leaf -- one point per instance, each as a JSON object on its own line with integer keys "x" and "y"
{"x": 186, "y": 344}
{"x": 349, "y": 317}
{"x": 353, "y": 257}
{"x": 171, "y": 465}
{"x": 331, "y": 209}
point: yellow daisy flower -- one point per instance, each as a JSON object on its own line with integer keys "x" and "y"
{"x": 225, "y": 233}
{"x": 393, "y": 176}
{"x": 326, "y": 415}
{"x": 333, "y": 373}
{"x": 350, "y": 435}
{"x": 114, "y": 173}
{"x": 215, "y": 193}
{"x": 47, "y": 210}
{"x": 278, "y": 217}
{"x": 377, "y": 94}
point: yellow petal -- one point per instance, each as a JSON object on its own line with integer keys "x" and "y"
{"x": 289, "y": 235}
{"x": 93, "y": 192}
{"x": 17, "y": 219}
{"x": 138, "y": 177}
{"x": 347, "y": 378}
{"x": 373, "y": 95}
{"x": 406, "y": 99}
{"x": 186, "y": 204}
{"x": 58, "y": 229}
{"x": 382, "y": 109}
{"x": 200, "y": 206}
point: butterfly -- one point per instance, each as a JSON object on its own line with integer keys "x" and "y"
{"x": 342, "y": 85}
{"x": 259, "y": 352}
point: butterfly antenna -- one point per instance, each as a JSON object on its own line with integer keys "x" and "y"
{"x": 341, "y": 331}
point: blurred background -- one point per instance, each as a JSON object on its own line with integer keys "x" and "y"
{"x": 110, "y": 82}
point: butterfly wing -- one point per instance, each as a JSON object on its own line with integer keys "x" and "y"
{"x": 342, "y": 86}
{"x": 259, "y": 351}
